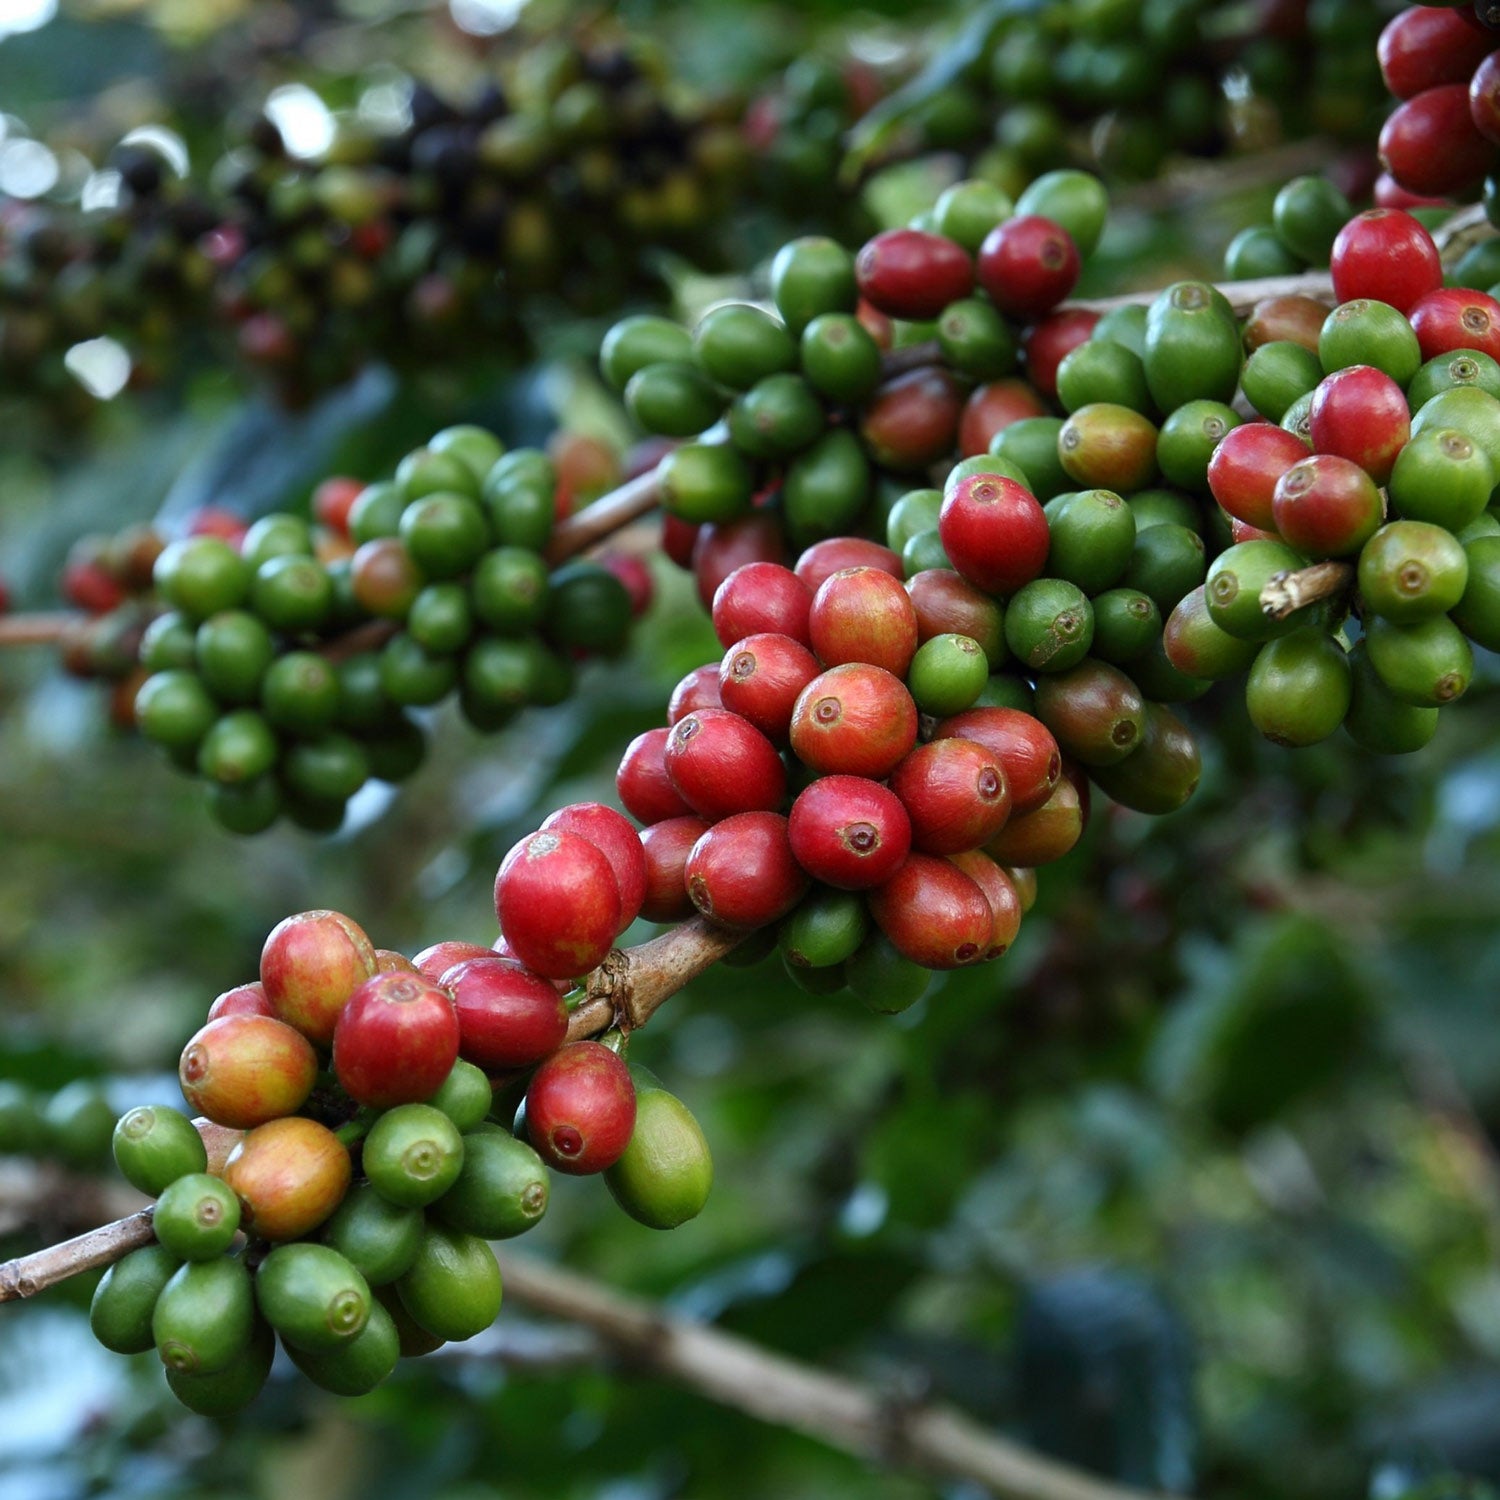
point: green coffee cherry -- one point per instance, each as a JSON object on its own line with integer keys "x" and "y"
{"x": 1298, "y": 691}
{"x": 1235, "y": 580}
{"x": 222, "y": 1393}
{"x": 465, "y": 1096}
{"x": 810, "y": 277}
{"x": 824, "y": 929}
{"x": 154, "y": 1145}
{"x": 125, "y": 1299}
{"x": 1126, "y": 622}
{"x": 1410, "y": 570}
{"x": 664, "y": 1176}
{"x": 1092, "y": 538}
{"x": 197, "y": 1217}
{"x": 1427, "y": 664}
{"x": 453, "y": 1289}
{"x": 1049, "y": 625}
{"x": 706, "y": 482}
{"x": 882, "y": 981}
{"x": 378, "y": 1238}
{"x": 1477, "y": 613}
{"x": 204, "y": 1317}
{"x": 501, "y": 1191}
{"x": 947, "y": 674}
{"x": 1377, "y": 718}
{"x": 413, "y": 1154}
{"x": 357, "y": 1366}
{"x": 635, "y": 343}
{"x": 312, "y": 1296}
{"x": 738, "y": 345}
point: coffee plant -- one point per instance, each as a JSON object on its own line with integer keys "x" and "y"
{"x": 744, "y": 521}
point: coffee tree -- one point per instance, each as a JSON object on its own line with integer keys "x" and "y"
{"x": 813, "y": 648}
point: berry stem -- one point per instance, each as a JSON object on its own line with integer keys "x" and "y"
{"x": 30, "y": 1274}
{"x": 1287, "y": 592}
{"x": 47, "y": 629}
{"x": 622, "y": 505}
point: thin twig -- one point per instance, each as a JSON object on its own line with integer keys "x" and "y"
{"x": 847, "y": 1415}
{"x": 30, "y": 1274}
{"x": 1287, "y": 592}
{"x": 606, "y": 515}
{"x": 49, "y": 629}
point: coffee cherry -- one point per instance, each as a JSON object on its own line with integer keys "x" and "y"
{"x": 1377, "y": 719}
{"x": 154, "y": 1146}
{"x": 666, "y": 846}
{"x": 1001, "y": 894}
{"x": 1126, "y": 623}
{"x": 699, "y": 689}
{"x": 244, "y": 1070}
{"x": 1245, "y": 467}
{"x": 955, "y": 794}
{"x": 909, "y": 273}
{"x": 201, "y": 575}
{"x": 1484, "y": 108}
{"x": 854, "y": 719}
{"x": 995, "y": 533}
{"x": 947, "y": 604}
{"x": 1442, "y": 477}
{"x": 826, "y": 928}
{"x": 1050, "y": 340}
{"x": 719, "y": 549}
{"x": 502, "y": 1190}
{"x": 358, "y": 1366}
{"x": 761, "y": 678}
{"x": 1477, "y": 614}
{"x": 849, "y": 832}
{"x": 558, "y": 903}
{"x": 465, "y": 1096}
{"x": 1198, "y": 647}
{"x": 413, "y": 1154}
{"x": 1427, "y": 663}
{"x": 827, "y": 488}
{"x": 811, "y": 276}
{"x": 1426, "y": 46}
{"x": 864, "y": 615}
{"x": 991, "y": 409}
{"x": 508, "y": 1017}
{"x": 396, "y": 1040}
{"x": 738, "y": 345}
{"x": 742, "y": 872}
{"x": 452, "y": 1291}
{"x": 761, "y": 598}
{"x": 643, "y": 783}
{"x": 1409, "y": 571}
{"x": 663, "y": 1177}
{"x": 620, "y": 844}
{"x": 840, "y": 359}
{"x": 120, "y": 1313}
{"x": 1360, "y": 414}
{"x": 1297, "y": 692}
{"x": 310, "y": 965}
{"x": 1162, "y": 774}
{"x": 289, "y": 1176}
{"x": 1094, "y": 711}
{"x": 1326, "y": 506}
{"x": 1023, "y": 747}
{"x": 378, "y": 1238}
{"x": 1387, "y": 256}
{"x": 312, "y": 1297}
{"x": 1192, "y": 348}
{"x": 721, "y": 764}
{"x": 1045, "y": 833}
{"x": 1453, "y": 319}
{"x": 1027, "y": 265}
{"x": 911, "y": 421}
{"x": 933, "y": 913}
{"x": 580, "y": 1109}
{"x": 947, "y": 674}
{"x": 432, "y": 963}
{"x": 1049, "y": 625}
{"x": 204, "y": 1317}
{"x": 823, "y": 559}
{"x": 196, "y": 1217}
{"x": 1432, "y": 144}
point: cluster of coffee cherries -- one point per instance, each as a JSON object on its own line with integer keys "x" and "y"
{"x": 1395, "y": 394}
{"x": 288, "y": 660}
{"x": 350, "y": 1163}
{"x": 393, "y": 244}
{"x": 874, "y": 362}
{"x": 70, "y": 1125}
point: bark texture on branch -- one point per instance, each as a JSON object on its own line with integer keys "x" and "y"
{"x": 48, "y": 629}
{"x": 605, "y": 516}
{"x": 1285, "y": 593}
{"x": 845, "y": 1414}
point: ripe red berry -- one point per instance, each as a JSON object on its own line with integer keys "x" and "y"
{"x": 947, "y": 604}
{"x": 1024, "y": 746}
{"x": 310, "y": 965}
{"x": 1361, "y": 414}
{"x": 955, "y": 794}
{"x": 580, "y": 1109}
{"x": 435, "y": 961}
{"x": 994, "y": 532}
{"x": 761, "y": 598}
{"x": 823, "y": 559}
{"x": 635, "y": 574}
{"x": 611, "y": 834}
{"x": 699, "y": 689}
{"x": 558, "y": 903}
{"x": 87, "y": 583}
{"x": 245, "y": 1070}
{"x": 508, "y": 1017}
{"x": 667, "y": 846}
{"x": 643, "y": 783}
{"x": 242, "y": 1000}
{"x": 333, "y": 499}
{"x": 1385, "y": 255}
{"x": 678, "y": 539}
{"x": 1243, "y": 531}
{"x": 1001, "y": 893}
{"x": 1484, "y": 97}
{"x": 991, "y": 409}
{"x": 933, "y": 913}
{"x": 855, "y": 720}
{"x": 1050, "y": 340}
{"x": 1454, "y": 318}
{"x": 1246, "y": 465}
{"x": 1431, "y": 144}
{"x": 912, "y": 420}
{"x": 1426, "y": 46}
{"x": 742, "y": 872}
{"x": 1327, "y": 506}
{"x": 1028, "y": 265}
{"x": 396, "y": 1041}
{"x": 1047, "y": 832}
{"x": 1388, "y": 193}
{"x": 849, "y": 832}
{"x": 909, "y": 273}
{"x": 863, "y": 614}
{"x": 722, "y": 764}
{"x": 721, "y": 547}
{"x": 761, "y": 679}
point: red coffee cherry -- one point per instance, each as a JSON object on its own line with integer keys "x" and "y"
{"x": 1327, "y": 506}
{"x": 1246, "y": 465}
{"x": 912, "y": 420}
{"x": 1361, "y": 414}
{"x": 1047, "y": 832}
{"x": 742, "y": 872}
{"x": 1432, "y": 144}
{"x": 1388, "y": 193}
{"x": 1387, "y": 256}
{"x": 667, "y": 846}
{"x": 643, "y": 783}
{"x": 333, "y": 499}
{"x": 909, "y": 273}
{"x": 558, "y": 903}
{"x": 678, "y": 538}
{"x": 242, "y": 1000}
{"x": 1426, "y": 46}
{"x": 244, "y": 1070}
{"x": 876, "y": 323}
{"x": 849, "y": 832}
{"x": 580, "y": 1109}
{"x": 289, "y": 1176}
{"x": 761, "y": 598}
{"x": 396, "y": 1041}
{"x": 948, "y": 604}
{"x": 856, "y": 720}
{"x": 722, "y": 547}
{"x": 864, "y": 615}
{"x": 435, "y": 961}
{"x": 1454, "y": 318}
{"x": 699, "y": 689}
{"x": 508, "y": 1017}
{"x": 1024, "y": 747}
{"x": 991, "y": 409}
{"x": 933, "y": 913}
{"x": 310, "y": 965}
{"x": 823, "y": 559}
{"x": 1050, "y": 340}
{"x": 1000, "y": 891}
{"x": 955, "y": 794}
{"x": 994, "y": 532}
{"x": 1243, "y": 531}
{"x": 722, "y": 764}
{"x": 611, "y": 834}
{"x": 634, "y": 573}
{"x": 1028, "y": 265}
{"x": 1484, "y": 97}
{"x": 761, "y": 679}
